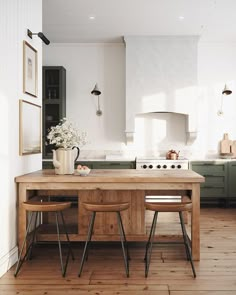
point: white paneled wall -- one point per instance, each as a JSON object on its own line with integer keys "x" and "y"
{"x": 15, "y": 17}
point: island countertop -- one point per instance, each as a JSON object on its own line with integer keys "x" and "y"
{"x": 114, "y": 176}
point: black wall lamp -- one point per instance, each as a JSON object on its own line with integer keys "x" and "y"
{"x": 40, "y": 35}
{"x": 97, "y": 92}
{"x": 226, "y": 91}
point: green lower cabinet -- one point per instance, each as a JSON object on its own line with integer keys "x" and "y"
{"x": 215, "y": 186}
{"x": 232, "y": 180}
{"x": 47, "y": 165}
{"x": 114, "y": 165}
{"x": 97, "y": 164}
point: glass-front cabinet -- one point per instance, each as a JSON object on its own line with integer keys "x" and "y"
{"x": 54, "y": 102}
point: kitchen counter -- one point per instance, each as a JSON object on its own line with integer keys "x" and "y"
{"x": 127, "y": 185}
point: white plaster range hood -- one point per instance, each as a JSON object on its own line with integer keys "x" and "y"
{"x": 161, "y": 76}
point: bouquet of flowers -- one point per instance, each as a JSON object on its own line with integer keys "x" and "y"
{"x": 66, "y": 135}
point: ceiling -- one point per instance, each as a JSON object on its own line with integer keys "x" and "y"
{"x": 67, "y": 21}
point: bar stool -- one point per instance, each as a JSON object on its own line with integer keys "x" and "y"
{"x": 36, "y": 207}
{"x": 168, "y": 207}
{"x": 106, "y": 207}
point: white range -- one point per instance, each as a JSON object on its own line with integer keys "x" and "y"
{"x": 161, "y": 164}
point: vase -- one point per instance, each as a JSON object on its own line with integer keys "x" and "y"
{"x": 64, "y": 160}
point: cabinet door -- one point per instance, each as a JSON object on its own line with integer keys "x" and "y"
{"x": 232, "y": 179}
{"x": 216, "y": 174}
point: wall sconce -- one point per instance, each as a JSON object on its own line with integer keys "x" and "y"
{"x": 40, "y": 35}
{"x": 226, "y": 91}
{"x": 97, "y": 92}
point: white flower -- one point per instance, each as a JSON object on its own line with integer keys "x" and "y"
{"x": 65, "y": 135}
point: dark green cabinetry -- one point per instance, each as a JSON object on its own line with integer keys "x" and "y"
{"x": 216, "y": 173}
{"x": 54, "y": 102}
{"x": 232, "y": 180}
{"x": 113, "y": 165}
{"x": 98, "y": 164}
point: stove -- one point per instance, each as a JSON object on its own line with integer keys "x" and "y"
{"x": 161, "y": 164}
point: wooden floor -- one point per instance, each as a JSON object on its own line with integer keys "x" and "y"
{"x": 169, "y": 272}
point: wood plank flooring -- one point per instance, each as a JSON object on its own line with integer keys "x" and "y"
{"x": 169, "y": 274}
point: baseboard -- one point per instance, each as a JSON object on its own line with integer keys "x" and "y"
{"x": 8, "y": 260}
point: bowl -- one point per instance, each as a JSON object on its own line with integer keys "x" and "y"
{"x": 83, "y": 172}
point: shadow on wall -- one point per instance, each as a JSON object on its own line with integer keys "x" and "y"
{"x": 159, "y": 131}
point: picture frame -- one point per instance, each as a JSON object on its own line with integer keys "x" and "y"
{"x": 30, "y": 139}
{"x": 30, "y": 69}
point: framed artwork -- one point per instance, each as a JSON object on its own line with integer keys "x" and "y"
{"x": 30, "y": 128}
{"x": 30, "y": 69}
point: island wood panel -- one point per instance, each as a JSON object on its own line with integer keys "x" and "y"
{"x": 106, "y": 223}
{"x": 116, "y": 180}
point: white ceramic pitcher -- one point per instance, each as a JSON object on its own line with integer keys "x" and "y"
{"x": 64, "y": 160}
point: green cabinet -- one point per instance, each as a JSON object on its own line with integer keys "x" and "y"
{"x": 113, "y": 165}
{"x": 54, "y": 102}
{"x": 98, "y": 164}
{"x": 232, "y": 179}
{"x": 215, "y": 186}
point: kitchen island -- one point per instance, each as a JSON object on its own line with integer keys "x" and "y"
{"x": 113, "y": 185}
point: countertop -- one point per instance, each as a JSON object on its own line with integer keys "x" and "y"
{"x": 115, "y": 176}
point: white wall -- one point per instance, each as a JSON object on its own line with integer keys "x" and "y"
{"x": 87, "y": 64}
{"x": 15, "y": 17}
{"x": 216, "y": 66}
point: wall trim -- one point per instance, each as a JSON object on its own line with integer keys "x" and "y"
{"x": 8, "y": 260}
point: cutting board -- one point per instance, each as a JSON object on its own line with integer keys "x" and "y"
{"x": 233, "y": 148}
{"x": 225, "y": 144}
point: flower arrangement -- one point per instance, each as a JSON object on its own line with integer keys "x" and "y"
{"x": 66, "y": 135}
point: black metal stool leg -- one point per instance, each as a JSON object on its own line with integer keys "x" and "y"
{"x": 150, "y": 243}
{"x": 149, "y": 238}
{"x": 90, "y": 231}
{"x": 63, "y": 269}
{"x": 34, "y": 236}
{"x": 182, "y": 227}
{"x": 89, "y": 240}
{"x": 123, "y": 241}
{"x": 124, "y": 236}
{"x": 186, "y": 243}
{"x": 20, "y": 262}
{"x": 67, "y": 236}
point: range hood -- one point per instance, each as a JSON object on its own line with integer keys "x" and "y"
{"x": 161, "y": 77}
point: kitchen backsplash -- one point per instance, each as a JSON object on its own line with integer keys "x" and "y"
{"x": 132, "y": 154}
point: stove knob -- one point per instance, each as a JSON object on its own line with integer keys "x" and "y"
{"x": 164, "y": 166}
{"x": 144, "y": 166}
{"x": 150, "y": 166}
{"x": 159, "y": 166}
{"x": 173, "y": 166}
{"x": 179, "y": 166}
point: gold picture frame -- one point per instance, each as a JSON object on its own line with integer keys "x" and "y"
{"x": 30, "y": 128}
{"x": 30, "y": 69}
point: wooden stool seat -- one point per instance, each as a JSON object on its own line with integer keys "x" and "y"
{"x": 112, "y": 207}
{"x": 106, "y": 207}
{"x": 169, "y": 206}
{"x": 36, "y": 206}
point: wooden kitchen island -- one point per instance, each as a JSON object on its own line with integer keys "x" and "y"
{"x": 113, "y": 185}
